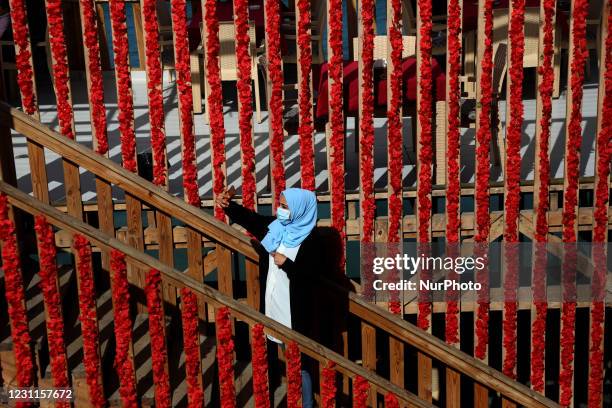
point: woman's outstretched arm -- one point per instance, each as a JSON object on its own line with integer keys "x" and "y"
{"x": 254, "y": 223}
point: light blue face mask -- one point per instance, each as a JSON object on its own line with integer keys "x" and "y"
{"x": 283, "y": 214}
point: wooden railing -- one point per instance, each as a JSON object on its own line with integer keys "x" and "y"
{"x": 375, "y": 324}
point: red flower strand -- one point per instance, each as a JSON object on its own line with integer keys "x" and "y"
{"x": 482, "y": 311}
{"x": 453, "y": 187}
{"x": 225, "y": 357}
{"x": 306, "y": 129}
{"x": 245, "y": 95}
{"x": 366, "y": 125}
{"x": 509, "y": 325}
{"x": 159, "y": 354}
{"x": 275, "y": 105}
{"x": 89, "y": 321}
{"x": 328, "y": 385}
{"x": 191, "y": 344}
{"x": 451, "y": 328}
{"x": 23, "y": 55}
{"x": 154, "y": 90}
{"x": 260, "y": 368}
{"x": 53, "y": 306}
{"x": 568, "y": 324}
{"x": 61, "y": 80}
{"x": 394, "y": 127}
{"x": 336, "y": 139}
{"x": 538, "y": 326}
{"x": 360, "y": 392}
{"x": 185, "y": 97}
{"x": 96, "y": 83}
{"x": 600, "y": 230}
{"x": 483, "y": 136}
{"x": 15, "y": 297}
{"x": 425, "y": 118}
{"x": 294, "y": 375}
{"x": 574, "y": 129}
{"x": 123, "y": 330}
{"x": 124, "y": 84}
{"x": 391, "y": 401}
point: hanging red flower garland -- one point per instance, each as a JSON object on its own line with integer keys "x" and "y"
{"x": 183, "y": 85}
{"x": 225, "y": 357}
{"x": 191, "y": 344}
{"x": 89, "y": 318}
{"x": 306, "y": 128}
{"x": 275, "y": 106}
{"x": 96, "y": 82}
{"x": 159, "y": 354}
{"x": 366, "y": 125}
{"x": 360, "y": 392}
{"x": 336, "y": 139}
{"x": 482, "y": 311}
{"x": 61, "y": 80}
{"x": 451, "y": 329}
{"x": 600, "y": 230}
{"x": 294, "y": 375}
{"x": 568, "y": 324}
{"x": 123, "y": 330}
{"x": 453, "y": 188}
{"x": 124, "y": 84}
{"x": 23, "y": 55}
{"x": 509, "y": 325}
{"x": 245, "y": 95}
{"x": 483, "y": 136}
{"x": 538, "y": 326}
{"x": 53, "y": 305}
{"x": 391, "y": 401}
{"x": 394, "y": 123}
{"x": 425, "y": 118}
{"x": 328, "y": 385}
{"x": 154, "y": 90}
{"x": 15, "y": 298}
{"x": 260, "y": 367}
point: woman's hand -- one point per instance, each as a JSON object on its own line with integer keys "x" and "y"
{"x": 279, "y": 259}
{"x": 225, "y": 197}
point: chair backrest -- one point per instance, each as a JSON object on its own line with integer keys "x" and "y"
{"x": 380, "y": 47}
{"x": 227, "y": 52}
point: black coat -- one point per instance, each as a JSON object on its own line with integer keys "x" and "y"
{"x": 317, "y": 257}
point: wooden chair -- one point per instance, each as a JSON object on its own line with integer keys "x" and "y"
{"x": 318, "y": 21}
{"x": 380, "y": 47}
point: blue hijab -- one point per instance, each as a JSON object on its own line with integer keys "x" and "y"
{"x": 303, "y": 218}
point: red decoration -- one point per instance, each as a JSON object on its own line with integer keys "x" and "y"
{"x": 391, "y": 401}
{"x": 453, "y": 184}
{"x": 425, "y": 119}
{"x": 483, "y": 135}
{"x": 15, "y": 298}
{"x": 124, "y": 84}
{"x": 451, "y": 328}
{"x": 366, "y": 125}
{"x": 159, "y": 354}
{"x": 154, "y": 90}
{"x": 191, "y": 344}
{"x": 574, "y": 129}
{"x": 275, "y": 105}
{"x": 306, "y": 129}
{"x": 294, "y": 375}
{"x": 328, "y": 385}
{"x": 568, "y": 323}
{"x": 515, "y": 122}
{"x": 336, "y": 139}
{"x": 53, "y": 305}
{"x": 482, "y": 311}
{"x": 260, "y": 368}
{"x": 61, "y": 80}
{"x": 96, "y": 82}
{"x": 245, "y": 95}
{"x": 538, "y": 326}
{"x": 89, "y": 321}
{"x": 183, "y": 84}
{"x": 394, "y": 125}
{"x": 23, "y": 55}
{"x": 360, "y": 392}
{"x": 596, "y": 354}
{"x": 123, "y": 330}
{"x": 225, "y": 357}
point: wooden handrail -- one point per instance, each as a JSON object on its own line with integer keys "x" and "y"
{"x": 241, "y": 311}
{"x": 216, "y": 230}
{"x": 128, "y": 181}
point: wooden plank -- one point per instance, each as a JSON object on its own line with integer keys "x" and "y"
{"x": 225, "y": 270}
{"x": 215, "y": 298}
{"x": 396, "y": 359}
{"x": 453, "y": 388}
{"x": 368, "y": 354}
{"x": 139, "y": 30}
{"x": 252, "y": 283}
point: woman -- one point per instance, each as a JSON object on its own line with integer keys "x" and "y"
{"x": 292, "y": 243}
